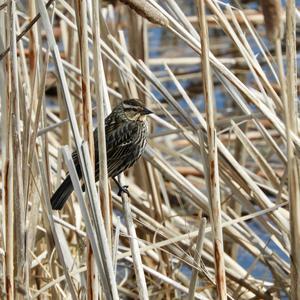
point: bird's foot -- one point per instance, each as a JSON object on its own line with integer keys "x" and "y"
{"x": 123, "y": 189}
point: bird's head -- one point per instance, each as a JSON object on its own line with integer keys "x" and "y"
{"x": 134, "y": 110}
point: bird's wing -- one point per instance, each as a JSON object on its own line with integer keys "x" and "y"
{"x": 124, "y": 144}
{"x": 124, "y": 147}
{"x": 122, "y": 137}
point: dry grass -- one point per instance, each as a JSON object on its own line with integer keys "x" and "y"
{"x": 213, "y": 187}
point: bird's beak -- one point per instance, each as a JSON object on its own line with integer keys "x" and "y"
{"x": 147, "y": 111}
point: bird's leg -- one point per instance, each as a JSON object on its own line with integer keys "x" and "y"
{"x": 122, "y": 189}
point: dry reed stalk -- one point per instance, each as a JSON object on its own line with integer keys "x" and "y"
{"x": 54, "y": 282}
{"x": 28, "y": 27}
{"x": 116, "y": 244}
{"x": 58, "y": 241}
{"x": 246, "y": 51}
{"x": 258, "y": 41}
{"x": 272, "y": 16}
{"x": 255, "y": 154}
{"x": 147, "y": 11}
{"x": 168, "y": 280}
{"x": 252, "y": 16}
{"x": 292, "y": 126}
{"x": 32, "y": 195}
{"x": 199, "y": 246}
{"x": 136, "y": 256}
{"x": 88, "y": 220}
{"x": 81, "y": 17}
{"x": 19, "y": 251}
{"x": 213, "y": 172}
{"x": 131, "y": 90}
{"x": 4, "y": 158}
{"x": 101, "y": 94}
{"x": 7, "y": 195}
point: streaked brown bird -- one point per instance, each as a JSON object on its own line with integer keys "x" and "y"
{"x": 126, "y": 132}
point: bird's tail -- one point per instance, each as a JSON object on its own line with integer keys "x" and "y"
{"x": 62, "y": 194}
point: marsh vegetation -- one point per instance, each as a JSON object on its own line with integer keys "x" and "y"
{"x": 214, "y": 204}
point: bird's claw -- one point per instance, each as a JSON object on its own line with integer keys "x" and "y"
{"x": 123, "y": 189}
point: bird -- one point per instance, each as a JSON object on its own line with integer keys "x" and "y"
{"x": 126, "y": 131}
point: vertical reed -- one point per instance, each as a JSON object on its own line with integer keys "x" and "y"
{"x": 292, "y": 126}
{"x": 213, "y": 168}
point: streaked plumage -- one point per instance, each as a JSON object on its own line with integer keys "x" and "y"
{"x": 126, "y": 132}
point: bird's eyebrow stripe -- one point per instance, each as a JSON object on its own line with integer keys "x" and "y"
{"x": 131, "y": 107}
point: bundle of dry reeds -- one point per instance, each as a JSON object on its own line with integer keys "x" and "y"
{"x": 214, "y": 205}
